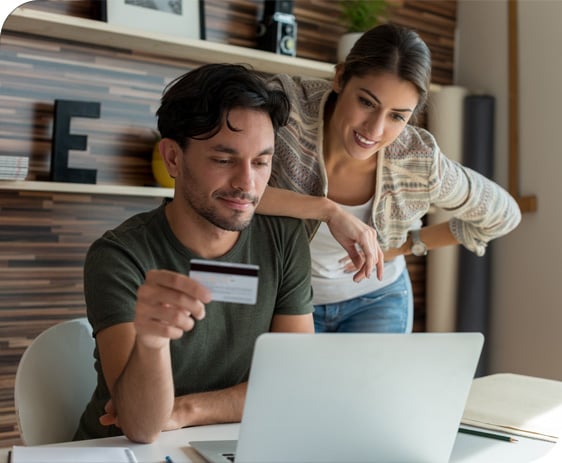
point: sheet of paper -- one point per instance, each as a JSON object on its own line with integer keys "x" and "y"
{"x": 516, "y": 404}
{"x": 41, "y": 454}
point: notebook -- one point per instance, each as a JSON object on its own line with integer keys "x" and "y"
{"x": 516, "y": 404}
{"x": 41, "y": 454}
{"x": 352, "y": 397}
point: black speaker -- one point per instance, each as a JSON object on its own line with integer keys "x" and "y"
{"x": 474, "y": 284}
{"x": 277, "y": 31}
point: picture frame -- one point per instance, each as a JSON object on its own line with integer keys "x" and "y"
{"x": 182, "y": 18}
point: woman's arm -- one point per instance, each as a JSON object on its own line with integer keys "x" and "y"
{"x": 433, "y": 236}
{"x": 481, "y": 209}
{"x": 347, "y": 229}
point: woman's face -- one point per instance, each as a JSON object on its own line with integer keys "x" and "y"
{"x": 370, "y": 112}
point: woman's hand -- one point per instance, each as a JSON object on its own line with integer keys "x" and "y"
{"x": 360, "y": 242}
{"x": 357, "y": 238}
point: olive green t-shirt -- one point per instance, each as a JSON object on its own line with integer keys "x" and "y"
{"x": 216, "y": 354}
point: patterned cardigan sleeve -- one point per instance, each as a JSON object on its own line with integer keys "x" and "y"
{"x": 482, "y": 210}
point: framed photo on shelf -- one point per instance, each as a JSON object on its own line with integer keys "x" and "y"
{"x": 183, "y": 18}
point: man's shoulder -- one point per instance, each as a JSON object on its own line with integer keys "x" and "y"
{"x": 285, "y": 222}
{"x": 277, "y": 229}
{"x": 135, "y": 228}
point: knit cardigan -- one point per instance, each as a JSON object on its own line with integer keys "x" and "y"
{"x": 412, "y": 175}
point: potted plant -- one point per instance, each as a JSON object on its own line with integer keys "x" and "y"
{"x": 359, "y": 16}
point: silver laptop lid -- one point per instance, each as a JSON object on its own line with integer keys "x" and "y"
{"x": 356, "y": 397}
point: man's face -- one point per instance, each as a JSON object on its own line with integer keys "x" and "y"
{"x": 222, "y": 178}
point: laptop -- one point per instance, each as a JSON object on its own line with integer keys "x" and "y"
{"x": 352, "y": 397}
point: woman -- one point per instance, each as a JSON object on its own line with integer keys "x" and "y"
{"x": 356, "y": 166}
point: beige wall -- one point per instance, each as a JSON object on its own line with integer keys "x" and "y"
{"x": 526, "y": 326}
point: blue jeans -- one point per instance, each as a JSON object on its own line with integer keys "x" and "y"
{"x": 387, "y": 310}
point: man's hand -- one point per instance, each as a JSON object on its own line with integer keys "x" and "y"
{"x": 168, "y": 303}
{"x": 110, "y": 417}
{"x": 360, "y": 242}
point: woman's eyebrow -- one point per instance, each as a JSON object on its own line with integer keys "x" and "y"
{"x": 374, "y": 97}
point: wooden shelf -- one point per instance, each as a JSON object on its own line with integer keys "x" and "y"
{"x": 25, "y": 20}
{"x": 85, "y": 188}
{"x": 88, "y": 31}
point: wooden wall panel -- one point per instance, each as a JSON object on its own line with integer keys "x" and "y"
{"x": 44, "y": 236}
{"x": 319, "y": 27}
{"x": 128, "y": 87}
{"x": 43, "y": 242}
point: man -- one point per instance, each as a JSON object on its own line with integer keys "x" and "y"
{"x": 167, "y": 355}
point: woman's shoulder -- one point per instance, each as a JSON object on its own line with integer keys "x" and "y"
{"x": 301, "y": 87}
{"x": 413, "y": 142}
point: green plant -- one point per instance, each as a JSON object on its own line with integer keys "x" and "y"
{"x": 361, "y": 15}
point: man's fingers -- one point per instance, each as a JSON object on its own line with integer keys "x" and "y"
{"x": 109, "y": 420}
{"x": 169, "y": 322}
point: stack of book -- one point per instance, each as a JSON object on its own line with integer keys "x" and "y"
{"x": 516, "y": 404}
{"x": 13, "y": 167}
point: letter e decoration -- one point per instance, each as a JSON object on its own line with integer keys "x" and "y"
{"x": 63, "y": 141}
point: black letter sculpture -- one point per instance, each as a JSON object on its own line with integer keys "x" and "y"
{"x": 63, "y": 141}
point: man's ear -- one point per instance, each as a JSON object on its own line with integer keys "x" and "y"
{"x": 170, "y": 152}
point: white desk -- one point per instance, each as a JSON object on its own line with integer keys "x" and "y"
{"x": 468, "y": 448}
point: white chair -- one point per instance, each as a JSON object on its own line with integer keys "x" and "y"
{"x": 55, "y": 379}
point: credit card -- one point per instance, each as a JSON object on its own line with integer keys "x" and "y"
{"x": 228, "y": 282}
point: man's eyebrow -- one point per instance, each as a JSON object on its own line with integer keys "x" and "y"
{"x": 220, "y": 148}
{"x": 374, "y": 97}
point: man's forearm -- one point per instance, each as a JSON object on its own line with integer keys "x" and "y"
{"x": 144, "y": 393}
{"x": 222, "y": 406}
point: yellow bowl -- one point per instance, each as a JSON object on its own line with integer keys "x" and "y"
{"x": 159, "y": 169}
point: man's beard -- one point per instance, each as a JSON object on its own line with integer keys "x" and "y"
{"x": 237, "y": 222}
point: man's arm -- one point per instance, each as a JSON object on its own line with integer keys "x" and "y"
{"x": 292, "y": 324}
{"x": 127, "y": 367}
{"x": 135, "y": 358}
{"x": 226, "y": 405}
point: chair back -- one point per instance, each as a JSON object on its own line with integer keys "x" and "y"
{"x": 55, "y": 379}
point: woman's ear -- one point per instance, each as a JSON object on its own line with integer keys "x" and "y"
{"x": 170, "y": 152}
{"x": 337, "y": 82}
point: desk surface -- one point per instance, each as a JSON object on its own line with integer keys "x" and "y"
{"x": 467, "y": 449}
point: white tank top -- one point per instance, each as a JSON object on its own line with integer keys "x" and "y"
{"x": 329, "y": 281}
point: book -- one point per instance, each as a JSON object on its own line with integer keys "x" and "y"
{"x": 516, "y": 404}
{"x": 13, "y": 167}
{"x": 52, "y": 454}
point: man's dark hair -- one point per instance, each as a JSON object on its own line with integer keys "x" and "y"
{"x": 196, "y": 104}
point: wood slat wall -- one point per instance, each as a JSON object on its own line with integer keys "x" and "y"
{"x": 44, "y": 236}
